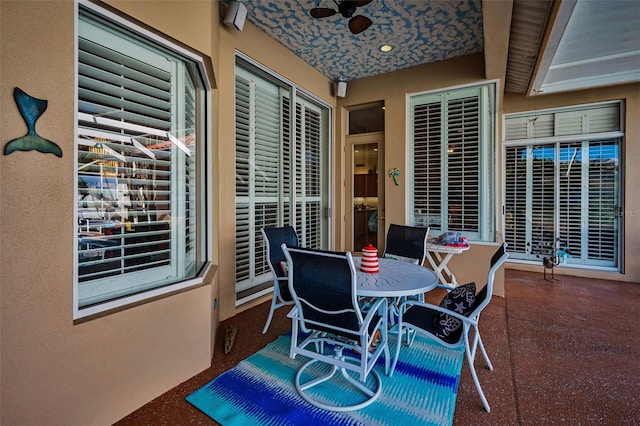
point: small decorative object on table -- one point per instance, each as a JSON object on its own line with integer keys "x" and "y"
{"x": 452, "y": 239}
{"x": 369, "y": 259}
{"x": 441, "y": 250}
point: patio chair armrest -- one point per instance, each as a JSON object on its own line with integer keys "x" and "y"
{"x": 444, "y": 286}
{"x": 406, "y": 305}
{"x": 293, "y": 313}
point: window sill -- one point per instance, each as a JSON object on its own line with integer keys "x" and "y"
{"x": 206, "y": 277}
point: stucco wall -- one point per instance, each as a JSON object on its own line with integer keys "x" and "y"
{"x": 55, "y": 372}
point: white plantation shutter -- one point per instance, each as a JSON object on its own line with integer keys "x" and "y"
{"x": 571, "y": 204}
{"x": 603, "y": 176}
{"x": 188, "y": 197}
{"x": 537, "y": 126}
{"x": 565, "y": 191}
{"x": 251, "y": 268}
{"x": 258, "y": 174}
{"x": 268, "y": 167}
{"x": 463, "y": 164}
{"x": 541, "y": 126}
{"x": 309, "y": 169}
{"x": 451, "y": 154}
{"x": 518, "y": 129}
{"x": 592, "y": 120}
{"x": 287, "y": 162}
{"x": 541, "y": 193}
{"x": 243, "y": 135}
{"x": 516, "y": 184}
{"x": 529, "y": 199}
{"x": 268, "y": 164}
{"x": 317, "y": 188}
{"x": 138, "y": 118}
{"x": 427, "y": 152}
{"x": 544, "y": 124}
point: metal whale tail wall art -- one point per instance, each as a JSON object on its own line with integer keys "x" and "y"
{"x": 31, "y": 109}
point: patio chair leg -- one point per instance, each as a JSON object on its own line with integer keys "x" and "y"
{"x": 398, "y": 344}
{"x": 474, "y": 375}
{"x": 271, "y": 309}
{"x": 484, "y": 352}
{"x": 387, "y": 363}
{"x": 294, "y": 339}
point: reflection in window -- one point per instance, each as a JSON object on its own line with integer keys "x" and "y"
{"x": 141, "y": 214}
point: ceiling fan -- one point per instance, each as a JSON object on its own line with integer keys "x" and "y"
{"x": 346, "y": 8}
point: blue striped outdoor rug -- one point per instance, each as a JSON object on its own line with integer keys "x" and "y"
{"x": 260, "y": 390}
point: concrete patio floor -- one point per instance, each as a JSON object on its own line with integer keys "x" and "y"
{"x": 564, "y": 352}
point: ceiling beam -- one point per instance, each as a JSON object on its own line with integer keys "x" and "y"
{"x": 496, "y": 23}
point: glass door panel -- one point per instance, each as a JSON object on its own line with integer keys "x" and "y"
{"x": 365, "y": 195}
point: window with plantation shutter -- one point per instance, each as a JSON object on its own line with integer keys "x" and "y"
{"x": 141, "y": 212}
{"x": 562, "y": 184}
{"x": 452, "y": 143}
{"x": 281, "y": 156}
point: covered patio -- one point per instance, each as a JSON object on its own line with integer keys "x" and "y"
{"x": 82, "y": 345}
{"x": 562, "y": 353}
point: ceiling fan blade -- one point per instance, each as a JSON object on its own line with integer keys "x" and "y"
{"x": 358, "y": 24}
{"x": 322, "y": 12}
{"x": 361, "y": 3}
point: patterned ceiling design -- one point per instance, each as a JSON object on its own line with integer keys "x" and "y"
{"x": 420, "y": 31}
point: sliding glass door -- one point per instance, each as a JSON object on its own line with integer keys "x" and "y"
{"x": 562, "y": 185}
{"x": 281, "y": 172}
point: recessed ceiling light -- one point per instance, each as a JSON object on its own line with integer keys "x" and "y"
{"x": 386, "y": 48}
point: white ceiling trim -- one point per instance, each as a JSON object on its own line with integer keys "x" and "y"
{"x": 591, "y": 44}
{"x": 559, "y": 25}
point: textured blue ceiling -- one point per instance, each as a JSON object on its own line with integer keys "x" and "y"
{"x": 420, "y": 31}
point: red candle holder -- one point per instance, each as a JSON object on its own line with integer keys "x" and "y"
{"x": 369, "y": 259}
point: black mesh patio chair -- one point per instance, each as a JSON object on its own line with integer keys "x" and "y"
{"x": 451, "y": 323}
{"x": 273, "y": 239}
{"x": 407, "y": 243}
{"x": 328, "y": 327}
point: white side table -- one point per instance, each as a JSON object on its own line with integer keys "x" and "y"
{"x": 439, "y": 256}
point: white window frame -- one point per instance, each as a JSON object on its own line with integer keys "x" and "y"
{"x": 553, "y": 129}
{"x": 148, "y": 284}
{"x": 487, "y": 163}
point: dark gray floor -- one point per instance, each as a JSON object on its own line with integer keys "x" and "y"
{"x": 566, "y": 352}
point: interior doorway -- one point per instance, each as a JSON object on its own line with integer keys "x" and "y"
{"x": 365, "y": 190}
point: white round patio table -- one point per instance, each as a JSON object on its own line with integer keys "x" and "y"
{"x": 394, "y": 278}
